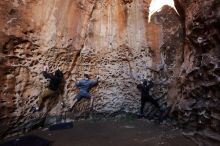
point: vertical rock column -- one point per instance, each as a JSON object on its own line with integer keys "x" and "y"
{"x": 198, "y": 102}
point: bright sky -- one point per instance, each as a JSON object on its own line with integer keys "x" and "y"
{"x": 156, "y": 6}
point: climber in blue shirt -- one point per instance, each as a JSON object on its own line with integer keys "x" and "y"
{"x": 84, "y": 85}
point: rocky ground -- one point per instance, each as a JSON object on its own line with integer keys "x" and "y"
{"x": 110, "y": 132}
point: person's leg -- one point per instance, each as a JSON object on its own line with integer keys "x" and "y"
{"x": 47, "y": 92}
{"x": 143, "y": 101}
{"x": 75, "y": 100}
{"x": 92, "y": 97}
{"x": 91, "y": 102}
{"x": 39, "y": 102}
{"x": 163, "y": 112}
{"x": 154, "y": 102}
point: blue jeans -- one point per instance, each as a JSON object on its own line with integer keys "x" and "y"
{"x": 82, "y": 94}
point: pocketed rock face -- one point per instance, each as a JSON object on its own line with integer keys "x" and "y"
{"x": 111, "y": 39}
{"x": 32, "y": 38}
{"x": 115, "y": 49}
{"x": 198, "y": 100}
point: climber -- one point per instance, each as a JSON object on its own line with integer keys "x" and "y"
{"x": 146, "y": 97}
{"x": 84, "y": 85}
{"x": 54, "y": 87}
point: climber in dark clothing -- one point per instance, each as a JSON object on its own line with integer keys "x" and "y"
{"x": 85, "y": 85}
{"x": 145, "y": 96}
{"x": 53, "y": 87}
{"x": 55, "y": 80}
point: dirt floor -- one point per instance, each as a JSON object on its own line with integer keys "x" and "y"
{"x": 115, "y": 133}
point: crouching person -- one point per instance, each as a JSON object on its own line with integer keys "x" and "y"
{"x": 52, "y": 89}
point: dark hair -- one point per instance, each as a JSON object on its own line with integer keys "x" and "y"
{"x": 59, "y": 73}
{"x": 86, "y": 76}
{"x": 145, "y": 82}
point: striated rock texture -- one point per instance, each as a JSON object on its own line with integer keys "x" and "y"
{"x": 109, "y": 38}
{"x": 197, "y": 104}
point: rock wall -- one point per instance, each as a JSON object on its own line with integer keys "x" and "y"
{"x": 197, "y": 104}
{"x": 110, "y": 38}
{"x": 32, "y": 38}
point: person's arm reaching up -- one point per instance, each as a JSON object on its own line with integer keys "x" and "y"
{"x": 94, "y": 82}
{"x": 47, "y": 75}
{"x": 77, "y": 84}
